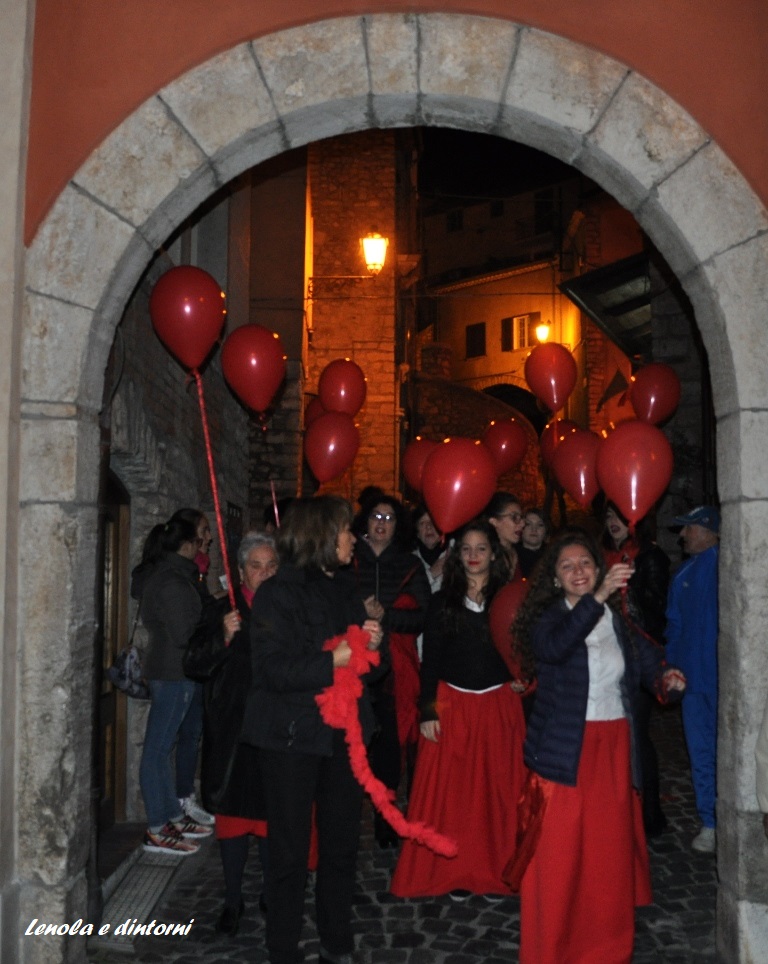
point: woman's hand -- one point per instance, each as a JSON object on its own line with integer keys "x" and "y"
{"x": 430, "y": 730}
{"x": 616, "y": 578}
{"x": 232, "y": 623}
{"x": 519, "y": 685}
{"x": 374, "y": 630}
{"x": 673, "y": 679}
{"x": 373, "y": 608}
{"x": 342, "y": 655}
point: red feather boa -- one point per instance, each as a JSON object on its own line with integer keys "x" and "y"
{"x": 338, "y": 708}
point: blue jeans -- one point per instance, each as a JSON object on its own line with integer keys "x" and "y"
{"x": 172, "y": 701}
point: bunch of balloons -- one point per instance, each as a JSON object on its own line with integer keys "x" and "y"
{"x": 633, "y": 464}
{"x": 187, "y": 308}
{"x": 331, "y": 438}
{"x": 458, "y": 476}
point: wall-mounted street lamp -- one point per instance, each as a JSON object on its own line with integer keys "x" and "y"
{"x": 542, "y": 332}
{"x": 374, "y": 247}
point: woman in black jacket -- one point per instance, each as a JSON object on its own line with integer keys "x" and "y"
{"x": 395, "y": 591}
{"x": 230, "y": 778}
{"x": 303, "y": 761}
{"x": 589, "y": 867}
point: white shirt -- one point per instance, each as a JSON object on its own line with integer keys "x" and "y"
{"x": 606, "y": 669}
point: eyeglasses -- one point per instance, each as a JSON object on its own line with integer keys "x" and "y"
{"x": 383, "y": 517}
{"x": 514, "y": 516}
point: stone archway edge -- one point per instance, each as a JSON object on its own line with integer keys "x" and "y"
{"x": 253, "y": 102}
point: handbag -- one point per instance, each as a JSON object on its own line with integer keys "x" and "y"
{"x": 206, "y": 650}
{"x": 127, "y": 672}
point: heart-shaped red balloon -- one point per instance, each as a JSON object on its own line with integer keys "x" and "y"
{"x": 553, "y": 434}
{"x": 187, "y": 310}
{"x": 342, "y": 387}
{"x": 253, "y": 363}
{"x": 414, "y": 458}
{"x": 654, "y": 392}
{"x": 330, "y": 445}
{"x": 550, "y": 371}
{"x": 634, "y": 466}
{"x": 458, "y": 480}
{"x": 573, "y": 463}
{"x": 502, "y": 615}
{"x": 507, "y": 442}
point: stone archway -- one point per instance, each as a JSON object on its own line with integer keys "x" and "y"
{"x": 285, "y": 90}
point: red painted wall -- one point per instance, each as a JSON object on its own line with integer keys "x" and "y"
{"x": 95, "y": 61}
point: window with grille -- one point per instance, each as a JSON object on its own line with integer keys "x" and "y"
{"x": 519, "y": 331}
{"x": 475, "y": 340}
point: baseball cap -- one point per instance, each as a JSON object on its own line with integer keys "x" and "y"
{"x": 703, "y": 515}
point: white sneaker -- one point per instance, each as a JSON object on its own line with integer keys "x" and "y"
{"x": 705, "y": 841}
{"x": 195, "y": 812}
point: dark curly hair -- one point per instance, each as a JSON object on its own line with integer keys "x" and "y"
{"x": 545, "y": 591}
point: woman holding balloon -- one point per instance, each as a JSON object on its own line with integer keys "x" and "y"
{"x": 583, "y": 831}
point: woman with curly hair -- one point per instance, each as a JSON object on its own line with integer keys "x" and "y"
{"x": 581, "y": 815}
{"x": 469, "y": 768}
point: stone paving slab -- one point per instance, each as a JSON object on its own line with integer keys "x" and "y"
{"x": 678, "y": 928}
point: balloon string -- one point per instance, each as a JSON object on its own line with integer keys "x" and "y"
{"x": 214, "y": 487}
{"x": 274, "y": 503}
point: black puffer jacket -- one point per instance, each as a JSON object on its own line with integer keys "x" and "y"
{"x": 298, "y": 610}
{"x": 386, "y": 576}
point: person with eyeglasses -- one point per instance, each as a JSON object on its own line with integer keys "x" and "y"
{"x": 505, "y": 513}
{"x": 395, "y": 591}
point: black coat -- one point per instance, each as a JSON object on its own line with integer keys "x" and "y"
{"x": 297, "y": 611}
{"x": 230, "y": 781}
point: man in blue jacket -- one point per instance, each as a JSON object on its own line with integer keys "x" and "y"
{"x": 692, "y": 618}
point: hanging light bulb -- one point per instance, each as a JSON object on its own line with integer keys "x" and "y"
{"x": 374, "y": 251}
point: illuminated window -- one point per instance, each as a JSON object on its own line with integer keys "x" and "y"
{"x": 519, "y": 331}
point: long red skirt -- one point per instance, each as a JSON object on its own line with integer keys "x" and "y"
{"x": 467, "y": 786}
{"x": 590, "y": 867}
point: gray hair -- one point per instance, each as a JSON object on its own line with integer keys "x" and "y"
{"x": 251, "y": 541}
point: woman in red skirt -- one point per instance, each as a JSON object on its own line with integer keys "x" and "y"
{"x": 581, "y": 814}
{"x": 469, "y": 768}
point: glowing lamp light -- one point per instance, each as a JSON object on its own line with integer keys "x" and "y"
{"x": 374, "y": 251}
{"x": 542, "y": 332}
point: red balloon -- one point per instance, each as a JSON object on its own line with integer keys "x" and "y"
{"x": 553, "y": 434}
{"x": 507, "y": 442}
{"x": 414, "y": 457}
{"x": 502, "y": 615}
{"x": 574, "y": 465}
{"x": 313, "y": 411}
{"x": 458, "y": 480}
{"x": 634, "y": 466}
{"x": 330, "y": 445}
{"x": 342, "y": 387}
{"x": 187, "y": 310}
{"x": 253, "y": 363}
{"x": 654, "y": 392}
{"x": 550, "y": 371}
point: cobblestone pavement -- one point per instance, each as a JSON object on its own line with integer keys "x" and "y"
{"x": 679, "y": 927}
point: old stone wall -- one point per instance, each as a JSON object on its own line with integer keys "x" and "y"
{"x": 352, "y": 181}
